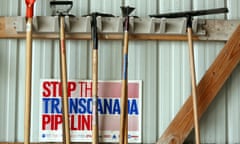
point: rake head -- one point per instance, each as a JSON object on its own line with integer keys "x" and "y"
{"x": 61, "y": 7}
{"x": 190, "y": 14}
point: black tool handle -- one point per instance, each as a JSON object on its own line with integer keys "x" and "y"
{"x": 94, "y": 31}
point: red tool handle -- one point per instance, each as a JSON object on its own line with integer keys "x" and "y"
{"x": 30, "y": 5}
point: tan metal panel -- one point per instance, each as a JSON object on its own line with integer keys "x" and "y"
{"x": 7, "y": 87}
{"x": 143, "y": 66}
{"x": 163, "y": 67}
{"x": 109, "y": 51}
{"x": 8, "y": 76}
{"x": 173, "y": 70}
{"x": 20, "y": 82}
{"x": 232, "y": 99}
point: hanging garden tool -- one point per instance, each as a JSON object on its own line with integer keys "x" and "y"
{"x": 61, "y": 9}
{"x": 126, "y": 11}
{"x": 28, "y": 82}
{"x": 94, "y": 35}
{"x": 189, "y": 15}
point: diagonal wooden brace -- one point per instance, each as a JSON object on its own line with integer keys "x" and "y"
{"x": 208, "y": 88}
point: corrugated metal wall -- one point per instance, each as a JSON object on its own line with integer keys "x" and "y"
{"x": 163, "y": 67}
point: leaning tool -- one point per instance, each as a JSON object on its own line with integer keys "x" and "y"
{"x": 94, "y": 35}
{"x": 28, "y": 81}
{"x": 61, "y": 9}
{"x": 126, "y": 11}
{"x": 189, "y": 15}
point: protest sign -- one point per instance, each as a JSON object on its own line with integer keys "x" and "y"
{"x": 80, "y": 110}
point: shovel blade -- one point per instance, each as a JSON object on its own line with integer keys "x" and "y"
{"x": 29, "y": 10}
{"x": 29, "y": 2}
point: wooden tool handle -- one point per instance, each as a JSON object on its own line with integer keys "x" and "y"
{"x": 193, "y": 82}
{"x": 95, "y": 97}
{"x": 124, "y": 114}
{"x": 28, "y": 82}
{"x": 124, "y": 94}
{"x": 66, "y": 131}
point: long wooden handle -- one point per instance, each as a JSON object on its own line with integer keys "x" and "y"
{"x": 193, "y": 82}
{"x": 28, "y": 82}
{"x": 63, "y": 61}
{"x": 124, "y": 94}
{"x": 94, "y": 95}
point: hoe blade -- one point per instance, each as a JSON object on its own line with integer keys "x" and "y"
{"x": 126, "y": 11}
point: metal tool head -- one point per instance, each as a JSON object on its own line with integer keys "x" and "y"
{"x": 191, "y": 13}
{"x": 94, "y": 30}
{"x": 61, "y": 7}
{"x": 126, "y": 10}
{"x": 96, "y": 14}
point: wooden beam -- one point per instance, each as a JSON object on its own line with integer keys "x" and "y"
{"x": 8, "y": 31}
{"x": 208, "y": 88}
{"x": 217, "y": 30}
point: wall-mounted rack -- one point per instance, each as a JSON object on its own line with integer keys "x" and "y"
{"x": 110, "y": 28}
{"x": 48, "y": 24}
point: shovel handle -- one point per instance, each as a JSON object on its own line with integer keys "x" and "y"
{"x": 28, "y": 82}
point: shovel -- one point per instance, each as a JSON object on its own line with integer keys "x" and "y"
{"x": 28, "y": 81}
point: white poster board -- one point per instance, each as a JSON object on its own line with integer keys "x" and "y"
{"x": 80, "y": 110}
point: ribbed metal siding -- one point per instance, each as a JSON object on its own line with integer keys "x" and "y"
{"x": 163, "y": 67}
{"x": 232, "y": 99}
{"x": 143, "y": 66}
{"x": 173, "y": 71}
{"x": 8, "y": 78}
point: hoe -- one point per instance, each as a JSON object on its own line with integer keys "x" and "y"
{"x": 189, "y": 15}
